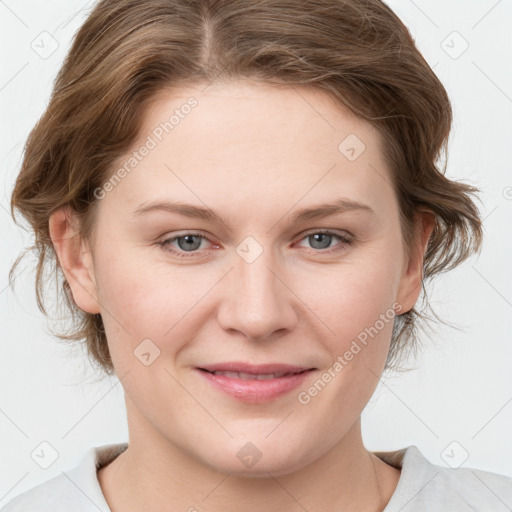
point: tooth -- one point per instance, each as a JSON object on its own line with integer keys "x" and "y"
{"x": 250, "y": 376}
{"x": 233, "y": 375}
{"x": 267, "y": 376}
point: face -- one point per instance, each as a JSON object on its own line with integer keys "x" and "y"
{"x": 257, "y": 278}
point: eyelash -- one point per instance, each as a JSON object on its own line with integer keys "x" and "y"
{"x": 345, "y": 240}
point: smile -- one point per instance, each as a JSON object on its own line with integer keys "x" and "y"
{"x": 255, "y": 386}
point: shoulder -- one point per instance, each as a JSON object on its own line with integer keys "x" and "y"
{"x": 471, "y": 489}
{"x": 77, "y": 489}
{"x": 426, "y": 486}
{"x": 51, "y": 495}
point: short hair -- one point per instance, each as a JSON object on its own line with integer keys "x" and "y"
{"x": 358, "y": 52}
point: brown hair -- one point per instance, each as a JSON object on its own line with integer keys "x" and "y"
{"x": 358, "y": 51}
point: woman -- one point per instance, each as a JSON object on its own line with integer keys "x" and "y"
{"x": 244, "y": 202}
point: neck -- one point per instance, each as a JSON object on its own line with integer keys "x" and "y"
{"x": 347, "y": 478}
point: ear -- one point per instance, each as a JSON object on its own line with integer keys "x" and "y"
{"x": 75, "y": 259}
{"x": 412, "y": 277}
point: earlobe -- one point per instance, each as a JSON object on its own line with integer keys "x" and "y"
{"x": 75, "y": 259}
{"x": 412, "y": 278}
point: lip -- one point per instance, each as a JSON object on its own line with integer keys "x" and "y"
{"x": 255, "y": 391}
{"x": 239, "y": 366}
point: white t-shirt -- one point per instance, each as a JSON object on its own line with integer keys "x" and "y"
{"x": 422, "y": 486}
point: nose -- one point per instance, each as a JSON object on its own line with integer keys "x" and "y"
{"x": 257, "y": 301}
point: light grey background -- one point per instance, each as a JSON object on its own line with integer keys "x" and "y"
{"x": 456, "y": 407}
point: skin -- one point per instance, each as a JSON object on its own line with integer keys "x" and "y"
{"x": 254, "y": 154}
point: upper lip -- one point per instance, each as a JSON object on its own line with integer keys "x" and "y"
{"x": 259, "y": 369}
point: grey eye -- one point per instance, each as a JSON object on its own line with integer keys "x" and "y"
{"x": 189, "y": 242}
{"x": 321, "y": 240}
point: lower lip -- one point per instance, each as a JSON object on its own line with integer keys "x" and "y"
{"x": 256, "y": 391}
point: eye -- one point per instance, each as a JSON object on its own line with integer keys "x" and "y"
{"x": 187, "y": 243}
{"x": 321, "y": 240}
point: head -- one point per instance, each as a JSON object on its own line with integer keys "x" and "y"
{"x": 254, "y": 115}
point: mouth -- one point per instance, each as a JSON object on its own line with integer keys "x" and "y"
{"x": 254, "y": 384}
{"x": 251, "y": 376}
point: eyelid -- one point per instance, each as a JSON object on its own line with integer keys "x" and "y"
{"x": 201, "y": 234}
{"x": 338, "y": 232}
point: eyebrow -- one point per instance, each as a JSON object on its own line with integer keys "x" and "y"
{"x": 322, "y": 210}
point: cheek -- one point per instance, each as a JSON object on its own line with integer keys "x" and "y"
{"x": 353, "y": 295}
{"x": 129, "y": 293}
{"x": 152, "y": 301}
{"x": 355, "y": 302}
{"x": 138, "y": 290}
{"x": 360, "y": 312}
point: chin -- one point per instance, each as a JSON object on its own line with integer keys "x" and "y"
{"x": 250, "y": 461}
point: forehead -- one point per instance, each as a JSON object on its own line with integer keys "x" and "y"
{"x": 254, "y": 112}
{"x": 257, "y": 143}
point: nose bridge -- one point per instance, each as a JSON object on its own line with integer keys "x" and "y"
{"x": 258, "y": 290}
{"x": 258, "y": 282}
{"x": 258, "y": 303}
